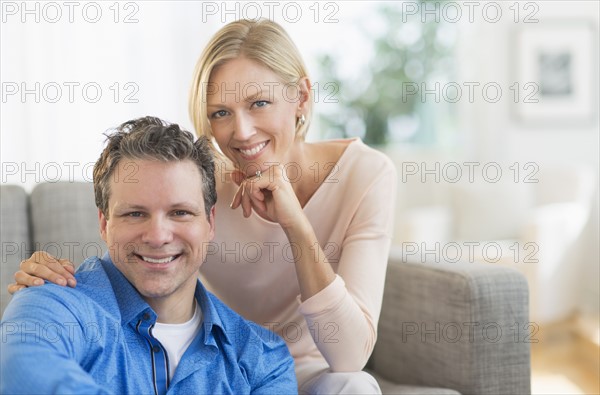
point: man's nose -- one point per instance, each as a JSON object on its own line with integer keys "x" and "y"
{"x": 157, "y": 232}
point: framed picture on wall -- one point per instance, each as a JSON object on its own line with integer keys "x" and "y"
{"x": 555, "y": 72}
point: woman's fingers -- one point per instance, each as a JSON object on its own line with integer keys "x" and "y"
{"x": 255, "y": 192}
{"x": 27, "y": 280}
{"x": 260, "y": 207}
{"x": 237, "y": 176}
{"x": 245, "y": 195}
{"x": 237, "y": 198}
{"x": 246, "y": 203}
{"x": 14, "y": 287}
{"x": 45, "y": 267}
{"x": 67, "y": 265}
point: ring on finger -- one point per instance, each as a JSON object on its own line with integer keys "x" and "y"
{"x": 258, "y": 174}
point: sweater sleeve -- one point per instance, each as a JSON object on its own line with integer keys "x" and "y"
{"x": 342, "y": 318}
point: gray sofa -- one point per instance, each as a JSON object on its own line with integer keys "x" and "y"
{"x": 445, "y": 328}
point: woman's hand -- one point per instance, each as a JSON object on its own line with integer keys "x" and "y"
{"x": 43, "y": 266}
{"x": 270, "y": 194}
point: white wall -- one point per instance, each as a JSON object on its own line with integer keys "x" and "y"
{"x": 488, "y": 53}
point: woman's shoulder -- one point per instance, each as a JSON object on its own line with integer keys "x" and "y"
{"x": 359, "y": 168}
{"x": 358, "y": 157}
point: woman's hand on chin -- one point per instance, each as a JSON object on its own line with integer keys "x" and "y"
{"x": 269, "y": 194}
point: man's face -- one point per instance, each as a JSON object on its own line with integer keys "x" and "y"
{"x": 157, "y": 231}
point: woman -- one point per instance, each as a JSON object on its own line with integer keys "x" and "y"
{"x": 309, "y": 256}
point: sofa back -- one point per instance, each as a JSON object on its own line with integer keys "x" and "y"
{"x": 60, "y": 218}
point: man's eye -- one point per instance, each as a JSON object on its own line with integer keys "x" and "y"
{"x": 134, "y": 214}
{"x": 181, "y": 213}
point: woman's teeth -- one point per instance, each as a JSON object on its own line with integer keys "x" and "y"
{"x": 254, "y": 150}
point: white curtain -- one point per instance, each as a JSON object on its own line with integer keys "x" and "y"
{"x": 71, "y": 72}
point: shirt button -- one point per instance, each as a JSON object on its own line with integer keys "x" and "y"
{"x": 146, "y": 316}
{"x": 155, "y": 349}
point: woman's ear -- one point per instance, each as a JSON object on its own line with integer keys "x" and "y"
{"x": 304, "y": 86}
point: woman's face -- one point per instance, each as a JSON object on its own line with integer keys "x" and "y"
{"x": 252, "y": 113}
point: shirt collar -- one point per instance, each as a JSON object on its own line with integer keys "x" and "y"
{"x": 210, "y": 314}
{"x": 132, "y": 305}
{"x": 130, "y": 302}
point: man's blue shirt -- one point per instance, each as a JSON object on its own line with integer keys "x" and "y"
{"x": 97, "y": 338}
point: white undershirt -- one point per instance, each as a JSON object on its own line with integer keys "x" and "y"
{"x": 176, "y": 338}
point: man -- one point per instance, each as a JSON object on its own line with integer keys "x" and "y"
{"x": 139, "y": 320}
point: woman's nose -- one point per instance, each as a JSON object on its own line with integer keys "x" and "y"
{"x": 243, "y": 127}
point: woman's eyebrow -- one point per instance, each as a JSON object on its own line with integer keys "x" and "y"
{"x": 257, "y": 93}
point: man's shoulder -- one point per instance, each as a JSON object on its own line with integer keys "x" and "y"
{"x": 92, "y": 288}
{"x": 93, "y": 281}
{"x": 91, "y": 273}
{"x": 238, "y": 328}
{"x": 257, "y": 351}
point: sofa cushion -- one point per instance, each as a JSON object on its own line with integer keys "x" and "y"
{"x": 14, "y": 230}
{"x": 390, "y": 388}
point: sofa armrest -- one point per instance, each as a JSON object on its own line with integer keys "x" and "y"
{"x": 14, "y": 231}
{"x": 462, "y": 326}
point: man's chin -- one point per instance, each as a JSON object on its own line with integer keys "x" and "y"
{"x": 154, "y": 291}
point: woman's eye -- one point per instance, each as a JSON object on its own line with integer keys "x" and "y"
{"x": 261, "y": 103}
{"x": 219, "y": 114}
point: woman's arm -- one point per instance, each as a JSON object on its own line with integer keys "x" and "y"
{"x": 272, "y": 196}
{"x": 341, "y": 310}
{"x": 346, "y": 313}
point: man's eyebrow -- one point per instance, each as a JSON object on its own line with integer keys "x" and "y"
{"x": 188, "y": 205}
{"x": 132, "y": 206}
{"x": 129, "y": 206}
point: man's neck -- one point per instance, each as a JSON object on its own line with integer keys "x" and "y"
{"x": 173, "y": 310}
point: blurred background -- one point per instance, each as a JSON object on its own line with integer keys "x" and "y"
{"x": 488, "y": 109}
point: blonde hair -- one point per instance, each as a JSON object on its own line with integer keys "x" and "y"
{"x": 262, "y": 41}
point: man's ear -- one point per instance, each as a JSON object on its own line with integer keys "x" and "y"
{"x": 304, "y": 86}
{"x": 103, "y": 223}
{"x": 211, "y": 221}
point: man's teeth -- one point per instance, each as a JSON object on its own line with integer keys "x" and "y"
{"x": 163, "y": 260}
{"x": 254, "y": 150}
